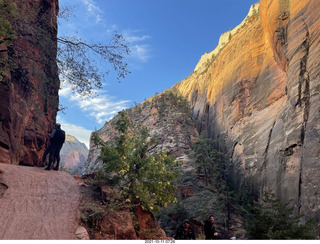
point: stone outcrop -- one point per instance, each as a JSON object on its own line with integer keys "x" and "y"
{"x": 259, "y": 98}
{"x": 168, "y": 119}
{"x": 73, "y": 155}
{"x": 29, "y": 93}
{"x": 106, "y": 218}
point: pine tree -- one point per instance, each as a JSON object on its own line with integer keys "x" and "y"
{"x": 275, "y": 220}
{"x": 209, "y": 161}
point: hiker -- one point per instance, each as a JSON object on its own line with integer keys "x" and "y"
{"x": 210, "y": 230}
{"x": 57, "y": 138}
{"x": 185, "y": 232}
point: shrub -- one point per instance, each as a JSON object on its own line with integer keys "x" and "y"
{"x": 276, "y": 220}
{"x": 144, "y": 178}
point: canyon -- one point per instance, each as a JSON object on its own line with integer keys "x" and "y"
{"x": 256, "y": 94}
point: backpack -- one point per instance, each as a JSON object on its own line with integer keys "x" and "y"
{"x": 59, "y": 137}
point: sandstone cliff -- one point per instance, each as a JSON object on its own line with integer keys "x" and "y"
{"x": 29, "y": 92}
{"x": 73, "y": 155}
{"x": 258, "y": 96}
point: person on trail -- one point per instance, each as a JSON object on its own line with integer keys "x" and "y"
{"x": 57, "y": 138}
{"x": 210, "y": 230}
{"x": 185, "y": 232}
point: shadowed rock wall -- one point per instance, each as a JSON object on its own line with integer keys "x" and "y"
{"x": 29, "y": 93}
{"x": 259, "y": 97}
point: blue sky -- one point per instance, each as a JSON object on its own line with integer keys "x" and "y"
{"x": 166, "y": 37}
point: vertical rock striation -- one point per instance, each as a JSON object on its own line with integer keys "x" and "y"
{"x": 29, "y": 93}
{"x": 259, "y": 97}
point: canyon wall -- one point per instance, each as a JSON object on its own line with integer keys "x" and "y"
{"x": 258, "y": 96}
{"x": 29, "y": 92}
{"x": 73, "y": 155}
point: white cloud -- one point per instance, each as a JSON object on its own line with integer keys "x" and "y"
{"x": 138, "y": 50}
{"x": 101, "y": 107}
{"x": 142, "y": 52}
{"x": 82, "y": 134}
{"x": 93, "y": 9}
{"x": 131, "y": 36}
{"x": 112, "y": 28}
{"x": 65, "y": 91}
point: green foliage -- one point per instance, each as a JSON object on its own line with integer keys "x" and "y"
{"x": 8, "y": 13}
{"x": 171, "y": 99}
{"x": 198, "y": 207}
{"x": 242, "y": 200}
{"x": 276, "y": 220}
{"x": 83, "y": 217}
{"x": 174, "y": 211}
{"x": 209, "y": 161}
{"x": 91, "y": 215}
{"x": 144, "y": 177}
{"x": 77, "y": 58}
{"x": 161, "y": 107}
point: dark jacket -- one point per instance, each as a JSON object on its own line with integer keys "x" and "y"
{"x": 57, "y": 137}
{"x": 185, "y": 234}
{"x": 209, "y": 230}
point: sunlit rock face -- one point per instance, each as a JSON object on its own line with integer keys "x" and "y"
{"x": 29, "y": 92}
{"x": 73, "y": 155}
{"x": 258, "y": 95}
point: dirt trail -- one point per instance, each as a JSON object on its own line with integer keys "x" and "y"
{"x": 37, "y": 204}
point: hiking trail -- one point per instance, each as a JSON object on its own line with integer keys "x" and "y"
{"x": 37, "y": 204}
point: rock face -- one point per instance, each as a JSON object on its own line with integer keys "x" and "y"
{"x": 73, "y": 155}
{"x": 258, "y": 96}
{"x": 29, "y": 93}
{"x": 167, "y": 117}
{"x": 115, "y": 220}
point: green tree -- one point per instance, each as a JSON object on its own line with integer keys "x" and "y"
{"x": 77, "y": 64}
{"x": 275, "y": 220}
{"x": 77, "y": 58}
{"x": 8, "y": 13}
{"x": 171, "y": 99}
{"x": 161, "y": 106}
{"x": 209, "y": 161}
{"x": 145, "y": 177}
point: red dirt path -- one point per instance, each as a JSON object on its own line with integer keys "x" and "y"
{"x": 37, "y": 204}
